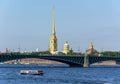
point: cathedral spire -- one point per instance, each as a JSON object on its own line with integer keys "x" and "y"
{"x": 53, "y": 40}
{"x": 91, "y": 45}
{"x": 53, "y": 20}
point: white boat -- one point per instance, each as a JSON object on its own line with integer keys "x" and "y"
{"x": 31, "y": 72}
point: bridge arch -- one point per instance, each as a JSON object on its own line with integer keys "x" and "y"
{"x": 70, "y": 60}
{"x": 97, "y": 59}
{"x": 107, "y": 62}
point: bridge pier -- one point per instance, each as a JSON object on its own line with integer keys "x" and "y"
{"x": 86, "y": 61}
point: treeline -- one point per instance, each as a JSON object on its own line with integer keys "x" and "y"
{"x": 44, "y": 53}
{"x": 110, "y": 53}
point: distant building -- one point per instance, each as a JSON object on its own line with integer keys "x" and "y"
{"x": 7, "y": 50}
{"x": 66, "y": 48}
{"x": 53, "y": 40}
{"x": 37, "y": 49}
{"x": 91, "y": 49}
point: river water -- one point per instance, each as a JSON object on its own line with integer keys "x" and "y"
{"x": 9, "y": 74}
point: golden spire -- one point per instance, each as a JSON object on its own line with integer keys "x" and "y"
{"x": 53, "y": 40}
{"x": 53, "y": 20}
{"x": 91, "y": 45}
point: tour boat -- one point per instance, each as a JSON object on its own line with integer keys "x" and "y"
{"x": 31, "y": 72}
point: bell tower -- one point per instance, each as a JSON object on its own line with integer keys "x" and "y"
{"x": 66, "y": 48}
{"x": 53, "y": 40}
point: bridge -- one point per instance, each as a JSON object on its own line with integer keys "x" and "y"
{"x": 71, "y": 60}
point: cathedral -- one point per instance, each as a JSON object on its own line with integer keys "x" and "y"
{"x": 53, "y": 49}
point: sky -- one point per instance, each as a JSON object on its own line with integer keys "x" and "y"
{"x": 27, "y": 24}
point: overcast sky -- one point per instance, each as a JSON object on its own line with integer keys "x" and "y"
{"x": 27, "y": 23}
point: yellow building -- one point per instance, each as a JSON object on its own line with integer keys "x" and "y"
{"x": 66, "y": 48}
{"x": 91, "y": 49}
{"x": 53, "y": 40}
